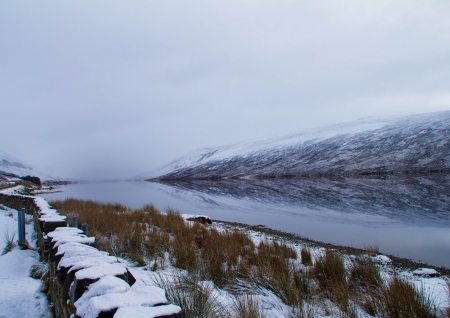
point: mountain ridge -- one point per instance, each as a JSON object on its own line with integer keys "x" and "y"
{"x": 10, "y": 166}
{"x": 401, "y": 145}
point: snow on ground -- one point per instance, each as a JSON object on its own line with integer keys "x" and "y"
{"x": 20, "y": 295}
{"x": 435, "y": 288}
{"x": 13, "y": 190}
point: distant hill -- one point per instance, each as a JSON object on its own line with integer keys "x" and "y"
{"x": 13, "y": 167}
{"x": 404, "y": 145}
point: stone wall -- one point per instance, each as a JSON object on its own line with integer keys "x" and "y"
{"x": 82, "y": 280}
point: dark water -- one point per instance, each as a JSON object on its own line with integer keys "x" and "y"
{"x": 409, "y": 217}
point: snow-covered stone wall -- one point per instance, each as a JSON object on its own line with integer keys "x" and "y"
{"x": 84, "y": 281}
{"x": 91, "y": 283}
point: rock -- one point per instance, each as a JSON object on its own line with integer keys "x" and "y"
{"x": 32, "y": 179}
{"x": 200, "y": 218}
{"x": 425, "y": 272}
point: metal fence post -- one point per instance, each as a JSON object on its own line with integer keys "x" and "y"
{"x": 75, "y": 221}
{"x": 21, "y": 225}
{"x": 85, "y": 228}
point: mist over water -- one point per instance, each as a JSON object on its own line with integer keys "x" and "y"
{"x": 408, "y": 217}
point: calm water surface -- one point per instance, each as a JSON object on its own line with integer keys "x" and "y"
{"x": 405, "y": 217}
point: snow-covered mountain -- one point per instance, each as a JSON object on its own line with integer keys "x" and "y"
{"x": 13, "y": 167}
{"x": 403, "y": 145}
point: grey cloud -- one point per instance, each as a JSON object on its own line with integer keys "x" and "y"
{"x": 108, "y": 89}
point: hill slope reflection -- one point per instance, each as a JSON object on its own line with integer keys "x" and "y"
{"x": 420, "y": 201}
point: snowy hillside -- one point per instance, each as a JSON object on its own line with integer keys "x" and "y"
{"x": 11, "y": 166}
{"x": 412, "y": 144}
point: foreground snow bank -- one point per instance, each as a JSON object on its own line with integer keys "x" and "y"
{"x": 20, "y": 295}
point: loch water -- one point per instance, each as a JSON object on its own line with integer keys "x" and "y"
{"x": 405, "y": 216}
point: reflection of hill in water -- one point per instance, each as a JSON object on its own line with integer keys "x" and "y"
{"x": 419, "y": 200}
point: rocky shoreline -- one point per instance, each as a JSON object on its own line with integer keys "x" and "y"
{"x": 397, "y": 262}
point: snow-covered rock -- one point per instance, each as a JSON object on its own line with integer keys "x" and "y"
{"x": 427, "y": 272}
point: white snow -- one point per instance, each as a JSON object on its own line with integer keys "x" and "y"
{"x": 138, "y": 295}
{"x": 106, "y": 285}
{"x": 73, "y": 239}
{"x": 100, "y": 271}
{"x": 13, "y": 191}
{"x": 46, "y": 212}
{"x": 84, "y": 261}
{"x": 74, "y": 249}
{"x": 20, "y": 295}
{"x": 147, "y": 312}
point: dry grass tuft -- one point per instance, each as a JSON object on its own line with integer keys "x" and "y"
{"x": 248, "y": 306}
{"x": 9, "y": 240}
{"x": 372, "y": 249}
{"x": 365, "y": 275}
{"x": 306, "y": 256}
{"x": 401, "y": 299}
{"x": 276, "y": 272}
{"x": 38, "y": 270}
{"x": 195, "y": 297}
{"x": 332, "y": 277}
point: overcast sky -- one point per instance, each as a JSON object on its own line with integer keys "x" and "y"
{"x": 110, "y": 89}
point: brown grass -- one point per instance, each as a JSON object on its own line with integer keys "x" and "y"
{"x": 247, "y": 306}
{"x": 401, "y": 299}
{"x": 195, "y": 297}
{"x": 365, "y": 275}
{"x": 276, "y": 272}
{"x": 231, "y": 260}
{"x": 306, "y": 256}
{"x": 332, "y": 277}
{"x": 9, "y": 237}
{"x": 372, "y": 249}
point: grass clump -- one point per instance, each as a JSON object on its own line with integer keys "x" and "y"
{"x": 38, "y": 270}
{"x": 372, "y": 249}
{"x": 365, "y": 275}
{"x": 277, "y": 272}
{"x": 195, "y": 297}
{"x": 331, "y": 274}
{"x": 401, "y": 299}
{"x": 248, "y": 306}
{"x": 9, "y": 240}
{"x": 305, "y": 254}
